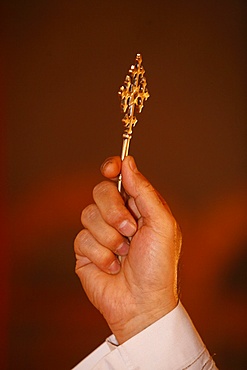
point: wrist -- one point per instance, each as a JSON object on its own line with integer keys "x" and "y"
{"x": 125, "y": 330}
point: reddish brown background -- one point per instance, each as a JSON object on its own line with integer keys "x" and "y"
{"x": 62, "y": 64}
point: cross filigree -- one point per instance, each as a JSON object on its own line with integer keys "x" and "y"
{"x": 133, "y": 93}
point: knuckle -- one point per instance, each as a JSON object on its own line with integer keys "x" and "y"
{"x": 100, "y": 189}
{"x": 81, "y": 240}
{"x": 113, "y": 240}
{"x": 147, "y": 186}
{"x": 113, "y": 216}
{"x": 89, "y": 213}
{"x": 171, "y": 224}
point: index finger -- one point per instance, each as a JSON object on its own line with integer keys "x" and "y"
{"x": 111, "y": 167}
{"x": 112, "y": 208}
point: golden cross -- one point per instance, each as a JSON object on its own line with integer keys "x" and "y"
{"x": 133, "y": 93}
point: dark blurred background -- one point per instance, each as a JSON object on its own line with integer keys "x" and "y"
{"x": 62, "y": 63}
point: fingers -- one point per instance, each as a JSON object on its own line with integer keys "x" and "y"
{"x": 111, "y": 167}
{"x": 107, "y": 224}
{"x": 112, "y": 208}
{"x": 88, "y": 250}
{"x": 105, "y": 234}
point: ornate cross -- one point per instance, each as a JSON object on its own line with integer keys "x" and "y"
{"x": 133, "y": 93}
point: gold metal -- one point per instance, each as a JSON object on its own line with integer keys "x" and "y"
{"x": 133, "y": 93}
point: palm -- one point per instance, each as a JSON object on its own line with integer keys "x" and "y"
{"x": 141, "y": 277}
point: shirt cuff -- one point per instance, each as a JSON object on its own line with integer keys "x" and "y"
{"x": 172, "y": 342}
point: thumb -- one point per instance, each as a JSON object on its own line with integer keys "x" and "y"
{"x": 150, "y": 204}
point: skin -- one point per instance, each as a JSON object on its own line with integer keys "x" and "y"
{"x": 141, "y": 229}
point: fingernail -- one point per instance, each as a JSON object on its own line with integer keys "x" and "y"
{"x": 123, "y": 249}
{"x": 114, "y": 267}
{"x": 127, "y": 228}
{"x": 105, "y": 164}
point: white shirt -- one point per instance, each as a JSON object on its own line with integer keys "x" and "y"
{"x": 171, "y": 343}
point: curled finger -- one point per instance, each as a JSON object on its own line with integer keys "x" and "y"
{"x": 89, "y": 250}
{"x": 105, "y": 234}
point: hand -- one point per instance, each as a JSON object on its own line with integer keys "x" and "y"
{"x": 141, "y": 289}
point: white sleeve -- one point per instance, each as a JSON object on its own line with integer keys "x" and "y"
{"x": 171, "y": 343}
